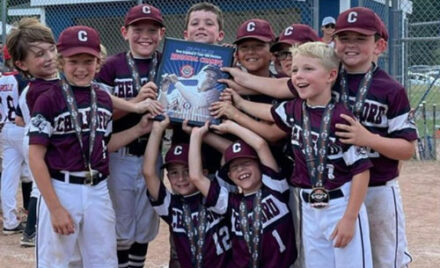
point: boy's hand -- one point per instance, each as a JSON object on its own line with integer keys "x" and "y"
{"x": 222, "y": 108}
{"x": 170, "y": 78}
{"x": 145, "y": 124}
{"x": 353, "y": 132}
{"x": 233, "y": 96}
{"x": 147, "y": 91}
{"x": 186, "y": 128}
{"x": 62, "y": 222}
{"x": 161, "y": 125}
{"x": 154, "y": 107}
{"x": 343, "y": 232}
{"x": 201, "y": 131}
{"x": 224, "y": 127}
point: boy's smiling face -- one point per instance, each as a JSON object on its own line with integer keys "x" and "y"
{"x": 178, "y": 175}
{"x": 40, "y": 61}
{"x": 356, "y": 50}
{"x": 254, "y": 55}
{"x": 246, "y": 174}
{"x": 143, "y": 37}
{"x": 80, "y": 69}
{"x": 203, "y": 27}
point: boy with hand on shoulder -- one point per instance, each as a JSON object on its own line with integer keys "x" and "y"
{"x": 333, "y": 177}
{"x": 70, "y": 160}
{"x": 260, "y": 236}
{"x": 201, "y": 237}
{"x": 129, "y": 75}
{"x": 384, "y": 124}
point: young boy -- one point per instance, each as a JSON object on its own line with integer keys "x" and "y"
{"x": 261, "y": 222}
{"x": 384, "y": 125}
{"x": 69, "y": 136}
{"x": 127, "y": 75}
{"x": 201, "y": 237}
{"x": 333, "y": 177}
{"x": 33, "y": 52}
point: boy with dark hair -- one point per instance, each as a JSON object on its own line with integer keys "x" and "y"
{"x": 384, "y": 124}
{"x": 204, "y": 23}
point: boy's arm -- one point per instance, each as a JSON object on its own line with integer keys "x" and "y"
{"x": 147, "y": 105}
{"x": 344, "y": 230}
{"x": 275, "y": 87}
{"x": 123, "y": 138}
{"x": 355, "y": 133}
{"x": 195, "y": 164}
{"x": 147, "y": 91}
{"x": 251, "y": 138}
{"x": 62, "y": 222}
{"x": 152, "y": 179}
{"x": 19, "y": 121}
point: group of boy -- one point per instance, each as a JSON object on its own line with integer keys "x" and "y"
{"x": 314, "y": 200}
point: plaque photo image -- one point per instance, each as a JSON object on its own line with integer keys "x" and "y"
{"x": 187, "y": 79}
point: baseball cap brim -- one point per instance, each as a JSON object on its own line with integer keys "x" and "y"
{"x": 276, "y": 46}
{"x": 357, "y": 30}
{"x": 223, "y": 172}
{"x": 261, "y": 38}
{"x": 173, "y": 162}
{"x": 145, "y": 19}
{"x": 79, "y": 50}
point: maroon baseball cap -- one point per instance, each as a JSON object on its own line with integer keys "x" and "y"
{"x": 143, "y": 12}
{"x": 256, "y": 29}
{"x": 384, "y": 31}
{"x": 359, "y": 19}
{"x": 177, "y": 154}
{"x": 295, "y": 34}
{"x": 77, "y": 40}
{"x": 238, "y": 149}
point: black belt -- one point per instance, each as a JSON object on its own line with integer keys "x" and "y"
{"x": 376, "y": 184}
{"x": 77, "y": 179}
{"x": 332, "y": 194}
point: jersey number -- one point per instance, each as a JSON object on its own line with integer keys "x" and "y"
{"x": 277, "y": 237}
{"x": 225, "y": 243}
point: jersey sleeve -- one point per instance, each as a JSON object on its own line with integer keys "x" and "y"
{"x": 274, "y": 180}
{"x": 217, "y": 199}
{"x": 292, "y": 88}
{"x": 107, "y": 73}
{"x": 42, "y": 119}
{"x": 162, "y": 205}
{"x": 400, "y": 118}
{"x": 282, "y": 116}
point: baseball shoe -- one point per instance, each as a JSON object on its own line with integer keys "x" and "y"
{"x": 16, "y": 230}
{"x": 27, "y": 240}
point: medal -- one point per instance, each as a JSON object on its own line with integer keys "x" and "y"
{"x": 316, "y": 159}
{"x": 319, "y": 197}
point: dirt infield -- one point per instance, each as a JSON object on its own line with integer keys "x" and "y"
{"x": 420, "y": 185}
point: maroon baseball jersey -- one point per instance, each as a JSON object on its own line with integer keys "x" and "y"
{"x": 386, "y": 112}
{"x": 116, "y": 74}
{"x": 51, "y": 126}
{"x": 36, "y": 88}
{"x": 277, "y": 242}
{"x": 343, "y": 161}
{"x": 217, "y": 245}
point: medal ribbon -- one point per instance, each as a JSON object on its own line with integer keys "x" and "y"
{"x": 316, "y": 162}
{"x": 361, "y": 95}
{"x": 193, "y": 232}
{"x": 252, "y": 235}
{"x": 135, "y": 73}
{"x": 74, "y": 114}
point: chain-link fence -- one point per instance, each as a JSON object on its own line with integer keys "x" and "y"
{"x": 412, "y": 57}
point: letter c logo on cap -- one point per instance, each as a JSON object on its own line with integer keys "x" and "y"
{"x": 178, "y": 150}
{"x": 146, "y": 10}
{"x": 236, "y": 147}
{"x": 82, "y": 36}
{"x": 250, "y": 26}
{"x": 352, "y": 17}
{"x": 288, "y": 31}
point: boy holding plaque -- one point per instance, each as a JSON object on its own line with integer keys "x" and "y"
{"x": 201, "y": 236}
{"x": 129, "y": 75}
{"x": 261, "y": 223}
